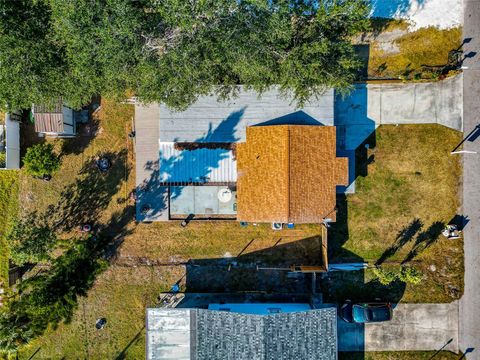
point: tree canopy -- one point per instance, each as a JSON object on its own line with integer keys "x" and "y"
{"x": 50, "y": 296}
{"x": 173, "y": 51}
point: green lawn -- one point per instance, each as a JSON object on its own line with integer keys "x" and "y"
{"x": 405, "y": 181}
{"x": 8, "y": 209}
{"x": 120, "y": 295}
{"x": 409, "y": 192}
{"x": 79, "y": 186}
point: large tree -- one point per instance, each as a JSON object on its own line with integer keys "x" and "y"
{"x": 175, "y": 50}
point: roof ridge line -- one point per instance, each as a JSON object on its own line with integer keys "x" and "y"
{"x": 288, "y": 175}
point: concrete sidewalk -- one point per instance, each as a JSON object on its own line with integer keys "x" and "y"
{"x": 413, "y": 327}
{"x": 148, "y": 191}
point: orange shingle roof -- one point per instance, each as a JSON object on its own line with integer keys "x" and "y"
{"x": 289, "y": 173}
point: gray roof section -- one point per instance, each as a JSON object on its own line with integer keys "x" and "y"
{"x": 225, "y": 335}
{"x": 208, "y": 120}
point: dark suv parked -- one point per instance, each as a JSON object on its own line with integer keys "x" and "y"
{"x": 366, "y": 312}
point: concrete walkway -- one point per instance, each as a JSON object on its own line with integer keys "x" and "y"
{"x": 470, "y": 302}
{"x": 149, "y": 193}
{"x": 413, "y": 327}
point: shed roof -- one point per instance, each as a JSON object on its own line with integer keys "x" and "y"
{"x": 49, "y": 117}
{"x": 289, "y": 173}
{"x": 206, "y": 334}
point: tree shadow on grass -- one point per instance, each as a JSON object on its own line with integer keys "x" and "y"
{"x": 362, "y": 51}
{"x": 403, "y": 237}
{"x": 425, "y": 240}
{"x": 83, "y": 201}
{"x": 51, "y": 296}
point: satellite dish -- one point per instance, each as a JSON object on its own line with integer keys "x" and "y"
{"x": 224, "y": 195}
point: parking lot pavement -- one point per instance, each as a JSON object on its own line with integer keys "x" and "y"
{"x": 413, "y": 327}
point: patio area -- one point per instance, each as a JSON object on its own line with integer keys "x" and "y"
{"x": 207, "y": 202}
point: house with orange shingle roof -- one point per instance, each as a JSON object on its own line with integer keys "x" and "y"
{"x": 289, "y": 174}
{"x": 253, "y": 159}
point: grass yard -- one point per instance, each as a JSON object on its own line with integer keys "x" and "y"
{"x": 8, "y": 209}
{"x": 78, "y": 189}
{"x": 168, "y": 242}
{"x": 151, "y": 257}
{"x": 121, "y": 295}
{"x": 391, "y": 51}
{"x": 399, "y": 210}
{"x": 407, "y": 180}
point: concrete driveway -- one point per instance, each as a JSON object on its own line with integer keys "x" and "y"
{"x": 371, "y": 105}
{"x": 413, "y": 327}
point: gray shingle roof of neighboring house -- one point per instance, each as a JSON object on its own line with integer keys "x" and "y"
{"x": 206, "y": 334}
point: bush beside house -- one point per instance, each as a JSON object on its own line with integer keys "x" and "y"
{"x": 40, "y": 160}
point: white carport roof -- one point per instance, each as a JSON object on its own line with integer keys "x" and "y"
{"x": 213, "y": 165}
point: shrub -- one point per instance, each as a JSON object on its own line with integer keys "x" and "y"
{"x": 12, "y": 334}
{"x": 30, "y": 241}
{"x": 40, "y": 160}
{"x": 383, "y": 276}
{"x": 410, "y": 275}
{"x": 3, "y": 159}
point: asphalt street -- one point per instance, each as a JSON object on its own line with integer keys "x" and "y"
{"x": 469, "y": 316}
